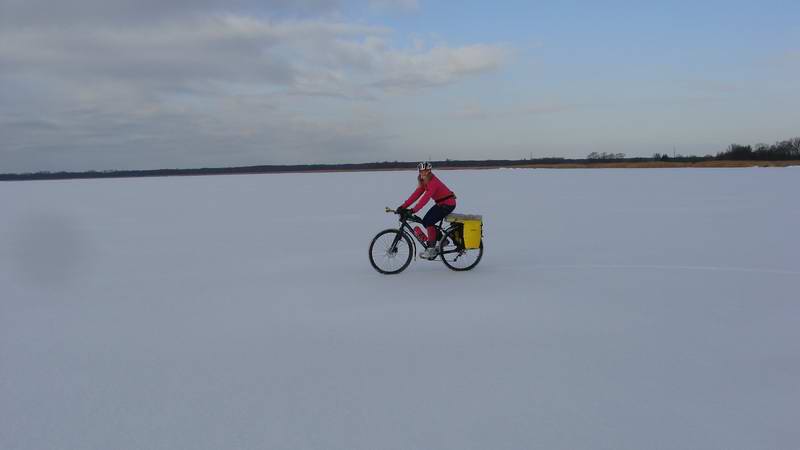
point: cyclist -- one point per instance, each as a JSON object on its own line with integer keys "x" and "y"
{"x": 444, "y": 198}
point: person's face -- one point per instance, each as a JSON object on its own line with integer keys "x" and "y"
{"x": 425, "y": 174}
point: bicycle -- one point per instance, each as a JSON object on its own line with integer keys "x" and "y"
{"x": 391, "y": 250}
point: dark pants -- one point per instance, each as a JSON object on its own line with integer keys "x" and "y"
{"x": 434, "y": 215}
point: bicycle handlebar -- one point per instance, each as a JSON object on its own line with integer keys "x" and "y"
{"x": 413, "y": 217}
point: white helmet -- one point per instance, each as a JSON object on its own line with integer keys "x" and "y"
{"x": 424, "y": 166}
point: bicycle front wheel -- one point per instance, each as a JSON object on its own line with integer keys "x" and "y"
{"x": 390, "y": 252}
{"x": 455, "y": 256}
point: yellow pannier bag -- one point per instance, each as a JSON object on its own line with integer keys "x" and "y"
{"x": 472, "y": 225}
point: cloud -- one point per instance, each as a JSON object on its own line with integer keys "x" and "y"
{"x": 314, "y": 56}
{"x": 26, "y": 13}
{"x": 182, "y": 86}
{"x": 471, "y": 111}
{"x": 213, "y": 130}
{"x": 394, "y": 5}
{"x": 225, "y": 48}
{"x": 439, "y": 65}
{"x": 478, "y": 112}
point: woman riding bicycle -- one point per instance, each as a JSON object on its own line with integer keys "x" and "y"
{"x": 444, "y": 198}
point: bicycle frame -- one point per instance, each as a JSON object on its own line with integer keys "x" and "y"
{"x": 405, "y": 229}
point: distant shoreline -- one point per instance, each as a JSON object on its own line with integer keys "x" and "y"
{"x": 633, "y": 163}
{"x": 663, "y": 165}
{"x": 597, "y": 165}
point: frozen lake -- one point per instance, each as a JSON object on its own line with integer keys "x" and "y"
{"x": 613, "y": 309}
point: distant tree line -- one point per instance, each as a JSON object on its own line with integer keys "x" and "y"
{"x": 783, "y": 150}
{"x": 787, "y": 150}
{"x": 385, "y": 165}
{"x": 594, "y": 156}
{"x": 681, "y": 158}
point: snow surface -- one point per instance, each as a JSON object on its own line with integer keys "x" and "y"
{"x": 613, "y": 309}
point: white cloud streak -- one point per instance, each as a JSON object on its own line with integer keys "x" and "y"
{"x": 477, "y": 112}
{"x": 304, "y": 55}
{"x": 173, "y": 91}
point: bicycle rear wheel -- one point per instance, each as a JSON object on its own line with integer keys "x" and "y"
{"x": 455, "y": 256}
{"x": 390, "y": 252}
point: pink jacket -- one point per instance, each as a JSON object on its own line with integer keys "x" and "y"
{"x": 435, "y": 189}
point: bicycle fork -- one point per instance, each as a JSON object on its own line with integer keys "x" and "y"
{"x": 398, "y": 238}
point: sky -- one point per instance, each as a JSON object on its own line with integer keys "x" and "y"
{"x": 144, "y": 84}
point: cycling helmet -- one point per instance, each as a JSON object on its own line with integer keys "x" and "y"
{"x": 424, "y": 166}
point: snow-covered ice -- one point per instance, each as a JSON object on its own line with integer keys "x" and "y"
{"x": 613, "y": 309}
